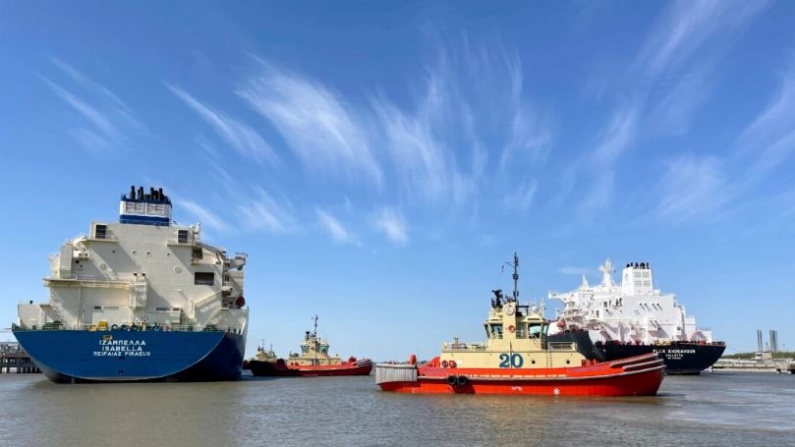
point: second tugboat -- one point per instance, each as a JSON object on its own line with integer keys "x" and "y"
{"x": 517, "y": 359}
{"x": 313, "y": 360}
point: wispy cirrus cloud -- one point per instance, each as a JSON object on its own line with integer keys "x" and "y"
{"x": 523, "y": 196}
{"x": 770, "y": 139}
{"x": 389, "y": 221}
{"x": 323, "y": 132}
{"x": 614, "y": 140}
{"x": 692, "y": 187}
{"x": 205, "y": 216}
{"x": 470, "y": 113}
{"x": 600, "y": 194}
{"x": 121, "y": 109}
{"x": 618, "y": 135}
{"x": 237, "y": 134}
{"x": 424, "y": 164}
{"x": 530, "y": 134}
{"x": 688, "y": 25}
{"x": 100, "y": 121}
{"x": 674, "y": 112}
{"x": 264, "y": 213}
{"x": 339, "y": 234}
{"x": 109, "y": 121}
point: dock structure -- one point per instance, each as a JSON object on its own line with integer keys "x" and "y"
{"x": 13, "y": 359}
{"x": 756, "y": 365}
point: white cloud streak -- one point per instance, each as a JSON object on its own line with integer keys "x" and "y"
{"x": 674, "y": 112}
{"x": 339, "y": 234}
{"x": 522, "y": 197}
{"x": 426, "y": 165}
{"x": 120, "y": 107}
{"x": 109, "y": 120}
{"x": 237, "y": 134}
{"x": 617, "y": 137}
{"x": 205, "y": 216}
{"x": 688, "y": 25}
{"x": 93, "y": 115}
{"x": 390, "y": 221}
{"x": 770, "y": 139}
{"x": 267, "y": 214}
{"x": 322, "y": 132}
{"x": 692, "y": 187}
{"x": 600, "y": 195}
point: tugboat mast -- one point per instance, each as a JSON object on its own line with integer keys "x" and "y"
{"x": 314, "y": 339}
{"x": 515, "y": 276}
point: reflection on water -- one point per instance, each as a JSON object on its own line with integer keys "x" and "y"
{"x": 714, "y": 409}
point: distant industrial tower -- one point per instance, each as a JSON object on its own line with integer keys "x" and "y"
{"x": 773, "y": 340}
{"x": 761, "y": 348}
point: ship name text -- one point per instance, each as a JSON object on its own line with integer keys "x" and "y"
{"x": 122, "y": 348}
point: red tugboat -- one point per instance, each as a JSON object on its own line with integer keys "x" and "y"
{"x": 313, "y": 360}
{"x": 517, "y": 359}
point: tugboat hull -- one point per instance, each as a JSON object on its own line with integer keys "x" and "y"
{"x": 637, "y": 376}
{"x": 278, "y": 368}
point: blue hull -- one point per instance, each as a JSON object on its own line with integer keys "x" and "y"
{"x": 68, "y": 356}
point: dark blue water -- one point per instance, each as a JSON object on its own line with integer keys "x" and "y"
{"x": 718, "y": 409}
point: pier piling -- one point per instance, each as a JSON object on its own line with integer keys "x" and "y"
{"x": 14, "y": 359}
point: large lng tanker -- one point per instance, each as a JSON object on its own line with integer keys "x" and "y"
{"x": 613, "y": 321}
{"x": 517, "y": 358}
{"x": 141, "y": 299}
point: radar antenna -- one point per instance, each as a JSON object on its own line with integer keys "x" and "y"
{"x": 607, "y": 273}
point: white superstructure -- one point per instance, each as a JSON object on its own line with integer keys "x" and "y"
{"x": 144, "y": 271}
{"x": 630, "y": 312}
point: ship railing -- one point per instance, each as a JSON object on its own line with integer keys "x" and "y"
{"x": 89, "y": 281}
{"x": 133, "y": 327}
{"x": 385, "y": 373}
{"x": 463, "y": 347}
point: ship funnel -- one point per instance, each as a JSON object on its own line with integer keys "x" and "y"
{"x": 145, "y": 209}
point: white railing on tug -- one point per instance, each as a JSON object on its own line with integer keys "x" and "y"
{"x": 133, "y": 327}
{"x": 395, "y": 373}
{"x": 462, "y": 347}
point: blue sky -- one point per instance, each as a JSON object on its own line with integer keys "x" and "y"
{"x": 380, "y": 161}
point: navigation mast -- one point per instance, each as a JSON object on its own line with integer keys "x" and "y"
{"x": 314, "y": 339}
{"x": 515, "y": 276}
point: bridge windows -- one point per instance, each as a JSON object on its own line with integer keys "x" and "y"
{"x": 204, "y": 278}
